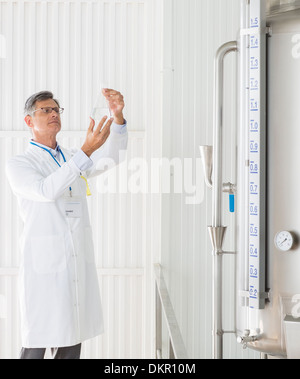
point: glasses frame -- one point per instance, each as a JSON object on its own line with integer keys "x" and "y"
{"x": 60, "y": 110}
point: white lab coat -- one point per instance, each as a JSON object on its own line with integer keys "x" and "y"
{"x": 60, "y": 301}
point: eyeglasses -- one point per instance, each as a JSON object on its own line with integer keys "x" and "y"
{"x": 49, "y": 110}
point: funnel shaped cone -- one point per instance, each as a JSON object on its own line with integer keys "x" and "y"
{"x": 217, "y": 235}
{"x": 206, "y": 153}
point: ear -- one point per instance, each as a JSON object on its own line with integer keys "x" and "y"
{"x": 28, "y": 120}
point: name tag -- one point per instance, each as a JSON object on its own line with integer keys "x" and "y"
{"x": 73, "y": 209}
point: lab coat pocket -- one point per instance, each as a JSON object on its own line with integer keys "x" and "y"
{"x": 89, "y": 245}
{"x": 48, "y": 254}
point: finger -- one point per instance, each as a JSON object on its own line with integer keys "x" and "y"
{"x": 115, "y": 96}
{"x": 107, "y": 125}
{"x": 102, "y": 139}
{"x": 106, "y": 90}
{"x": 100, "y": 125}
{"x": 116, "y": 102}
{"x": 116, "y": 107}
{"x": 106, "y": 129}
{"x": 91, "y": 126}
{"x": 108, "y": 93}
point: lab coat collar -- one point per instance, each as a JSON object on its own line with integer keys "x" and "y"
{"x": 54, "y": 152}
{"x": 39, "y": 153}
{"x": 42, "y": 156}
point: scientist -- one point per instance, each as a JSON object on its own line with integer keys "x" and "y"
{"x": 59, "y": 292}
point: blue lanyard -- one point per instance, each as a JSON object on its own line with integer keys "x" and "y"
{"x": 41, "y": 147}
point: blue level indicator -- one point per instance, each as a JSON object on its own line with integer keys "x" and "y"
{"x": 231, "y": 203}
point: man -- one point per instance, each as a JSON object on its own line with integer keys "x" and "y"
{"x": 59, "y": 293}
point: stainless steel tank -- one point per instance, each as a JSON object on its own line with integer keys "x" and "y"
{"x": 273, "y": 327}
{"x": 267, "y": 191}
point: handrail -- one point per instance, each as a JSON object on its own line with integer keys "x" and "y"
{"x": 164, "y": 306}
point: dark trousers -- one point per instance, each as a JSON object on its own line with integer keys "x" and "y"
{"x": 71, "y": 352}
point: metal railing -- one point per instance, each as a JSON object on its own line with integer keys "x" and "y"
{"x": 164, "y": 307}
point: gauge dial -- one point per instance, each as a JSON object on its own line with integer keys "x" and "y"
{"x": 284, "y": 241}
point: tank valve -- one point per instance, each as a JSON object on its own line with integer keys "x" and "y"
{"x": 244, "y": 340}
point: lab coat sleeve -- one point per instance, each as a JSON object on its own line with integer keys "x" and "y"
{"x": 27, "y": 182}
{"x": 112, "y": 153}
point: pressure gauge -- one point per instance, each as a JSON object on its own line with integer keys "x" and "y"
{"x": 284, "y": 241}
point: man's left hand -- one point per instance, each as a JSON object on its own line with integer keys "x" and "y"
{"x": 116, "y": 104}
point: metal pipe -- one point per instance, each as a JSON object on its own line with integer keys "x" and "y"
{"x": 218, "y": 130}
{"x": 217, "y": 195}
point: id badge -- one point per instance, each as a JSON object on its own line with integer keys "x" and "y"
{"x": 73, "y": 209}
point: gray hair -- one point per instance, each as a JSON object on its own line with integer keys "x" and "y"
{"x": 39, "y": 96}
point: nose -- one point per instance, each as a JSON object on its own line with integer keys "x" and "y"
{"x": 54, "y": 116}
{"x": 54, "y": 113}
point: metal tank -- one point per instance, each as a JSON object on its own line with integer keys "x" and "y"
{"x": 266, "y": 194}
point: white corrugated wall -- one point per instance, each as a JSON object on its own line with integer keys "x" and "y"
{"x": 193, "y": 31}
{"x": 70, "y": 48}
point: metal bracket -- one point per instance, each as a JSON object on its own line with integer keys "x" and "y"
{"x": 251, "y": 32}
{"x": 261, "y": 295}
{"x": 229, "y": 188}
{"x": 229, "y": 252}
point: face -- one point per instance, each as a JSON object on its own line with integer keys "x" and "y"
{"x": 44, "y": 124}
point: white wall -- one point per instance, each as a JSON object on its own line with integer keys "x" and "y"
{"x": 193, "y": 31}
{"x": 70, "y": 47}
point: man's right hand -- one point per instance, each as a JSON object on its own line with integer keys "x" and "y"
{"x": 96, "y": 138}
